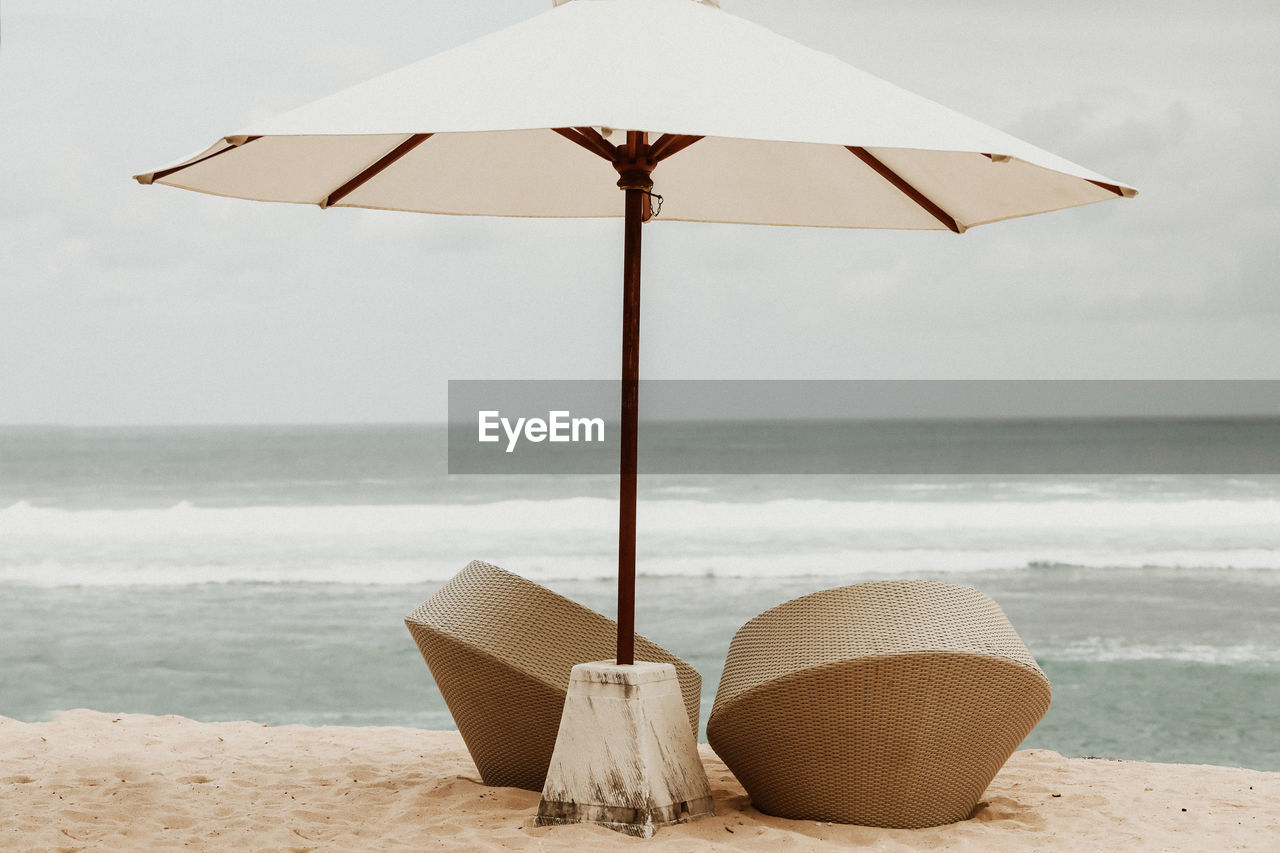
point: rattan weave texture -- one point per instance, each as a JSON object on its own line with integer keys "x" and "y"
{"x": 501, "y": 648}
{"x": 885, "y": 704}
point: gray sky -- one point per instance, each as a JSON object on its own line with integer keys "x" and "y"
{"x": 129, "y": 304}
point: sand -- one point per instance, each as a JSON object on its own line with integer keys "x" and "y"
{"x": 93, "y": 781}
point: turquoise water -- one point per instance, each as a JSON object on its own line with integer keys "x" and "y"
{"x": 264, "y": 574}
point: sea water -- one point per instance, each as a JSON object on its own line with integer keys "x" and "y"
{"x": 264, "y": 573}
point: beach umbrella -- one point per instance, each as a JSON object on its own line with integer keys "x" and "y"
{"x": 730, "y": 121}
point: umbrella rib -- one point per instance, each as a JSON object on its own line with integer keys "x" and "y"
{"x": 1112, "y": 188}
{"x": 164, "y": 173}
{"x": 604, "y": 147}
{"x": 672, "y": 143}
{"x": 384, "y": 162}
{"x": 593, "y": 142}
{"x": 905, "y": 188}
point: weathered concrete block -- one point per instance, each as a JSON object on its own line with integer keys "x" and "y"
{"x": 625, "y": 756}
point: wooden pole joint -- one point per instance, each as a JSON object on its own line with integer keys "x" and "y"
{"x": 635, "y": 170}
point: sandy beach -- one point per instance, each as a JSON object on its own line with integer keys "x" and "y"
{"x": 94, "y": 781}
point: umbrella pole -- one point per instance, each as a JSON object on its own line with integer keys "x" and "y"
{"x": 635, "y": 162}
{"x": 630, "y": 422}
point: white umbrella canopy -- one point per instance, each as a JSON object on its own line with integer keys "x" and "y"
{"x": 732, "y": 122}
{"x": 788, "y": 135}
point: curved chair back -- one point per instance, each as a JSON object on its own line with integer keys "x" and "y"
{"x": 885, "y": 704}
{"x": 501, "y": 648}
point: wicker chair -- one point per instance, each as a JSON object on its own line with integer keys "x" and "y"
{"x": 500, "y": 648}
{"x": 884, "y": 704}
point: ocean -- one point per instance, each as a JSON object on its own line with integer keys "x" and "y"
{"x": 263, "y": 573}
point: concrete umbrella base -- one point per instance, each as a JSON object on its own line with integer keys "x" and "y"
{"x": 625, "y": 756}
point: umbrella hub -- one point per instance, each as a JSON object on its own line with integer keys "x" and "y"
{"x": 635, "y": 167}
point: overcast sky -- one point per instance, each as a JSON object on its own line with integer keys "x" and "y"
{"x": 128, "y": 304}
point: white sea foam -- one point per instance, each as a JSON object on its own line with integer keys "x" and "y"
{"x": 1208, "y": 515}
{"x": 1111, "y": 650}
{"x": 576, "y": 538}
